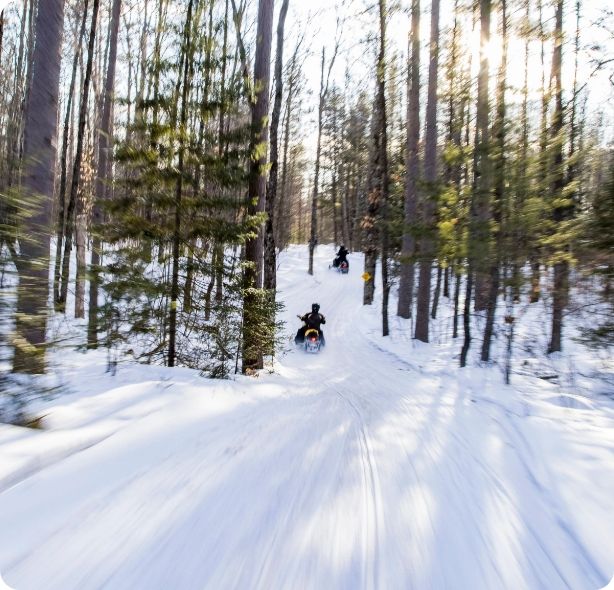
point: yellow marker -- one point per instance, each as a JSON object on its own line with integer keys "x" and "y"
{"x": 366, "y": 277}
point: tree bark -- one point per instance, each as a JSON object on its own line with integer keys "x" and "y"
{"x": 499, "y": 193}
{"x": 76, "y": 174}
{"x": 61, "y": 220}
{"x": 103, "y": 173}
{"x": 186, "y": 85}
{"x": 270, "y": 259}
{"x": 383, "y": 163}
{"x": 406, "y": 280}
{"x": 562, "y": 212}
{"x": 480, "y": 202}
{"x": 313, "y": 235}
{"x": 427, "y": 243}
{"x": 252, "y": 276}
{"x": 40, "y": 136}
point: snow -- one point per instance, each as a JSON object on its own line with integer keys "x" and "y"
{"x": 377, "y": 464}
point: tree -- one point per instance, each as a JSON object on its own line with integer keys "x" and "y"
{"x": 499, "y": 196}
{"x": 480, "y": 198}
{"x": 380, "y": 164}
{"x": 271, "y": 196}
{"x": 40, "y": 136}
{"x": 73, "y": 206}
{"x": 252, "y": 278}
{"x": 406, "y": 281}
{"x": 313, "y": 235}
{"x": 61, "y": 219}
{"x": 563, "y": 208}
{"x": 103, "y": 175}
{"x": 427, "y": 249}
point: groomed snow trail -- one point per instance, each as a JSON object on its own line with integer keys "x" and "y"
{"x": 345, "y": 470}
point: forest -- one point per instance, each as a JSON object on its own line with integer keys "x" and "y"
{"x": 181, "y": 181}
{"x": 157, "y": 155}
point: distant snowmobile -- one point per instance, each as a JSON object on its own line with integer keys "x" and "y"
{"x": 343, "y": 268}
{"x": 340, "y": 263}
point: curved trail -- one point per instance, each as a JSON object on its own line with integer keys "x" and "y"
{"x": 356, "y": 475}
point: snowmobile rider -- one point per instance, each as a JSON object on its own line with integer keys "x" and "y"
{"x": 341, "y": 257}
{"x": 312, "y": 320}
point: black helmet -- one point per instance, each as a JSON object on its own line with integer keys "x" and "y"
{"x": 315, "y": 308}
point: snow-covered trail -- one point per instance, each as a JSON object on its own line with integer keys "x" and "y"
{"x": 345, "y": 470}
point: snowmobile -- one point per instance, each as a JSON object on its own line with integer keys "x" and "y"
{"x": 343, "y": 267}
{"x": 312, "y": 342}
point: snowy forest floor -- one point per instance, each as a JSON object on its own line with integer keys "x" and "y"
{"x": 377, "y": 464}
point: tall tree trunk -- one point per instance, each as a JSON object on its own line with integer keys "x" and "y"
{"x": 270, "y": 262}
{"x": 40, "y": 136}
{"x": 457, "y": 288}
{"x": 186, "y": 85}
{"x": 467, "y": 318}
{"x": 313, "y": 235}
{"x": 534, "y": 256}
{"x": 76, "y": 174}
{"x": 61, "y": 220}
{"x": 521, "y": 168}
{"x": 562, "y": 212}
{"x": 383, "y": 162}
{"x": 80, "y": 243}
{"x": 480, "y": 202}
{"x": 252, "y": 281}
{"x": 283, "y": 197}
{"x": 103, "y": 173}
{"x": 406, "y": 281}
{"x": 427, "y": 243}
{"x": 479, "y": 235}
{"x": 499, "y": 207}
{"x": 437, "y": 293}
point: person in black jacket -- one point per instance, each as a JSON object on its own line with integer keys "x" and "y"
{"x": 312, "y": 320}
{"x": 341, "y": 257}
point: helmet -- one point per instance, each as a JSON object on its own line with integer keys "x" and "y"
{"x": 315, "y": 308}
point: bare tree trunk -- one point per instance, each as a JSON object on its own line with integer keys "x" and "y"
{"x": 406, "y": 282}
{"x": 313, "y": 237}
{"x": 561, "y": 212}
{"x": 436, "y": 294}
{"x": 480, "y": 202}
{"x": 76, "y": 174}
{"x": 457, "y": 286}
{"x": 209, "y": 292}
{"x": 252, "y": 277}
{"x": 39, "y": 157}
{"x": 270, "y": 260}
{"x": 103, "y": 175}
{"x": 283, "y": 197}
{"x": 383, "y": 162}
{"x": 61, "y": 220}
{"x": 427, "y": 244}
{"x": 499, "y": 193}
{"x": 186, "y": 85}
{"x": 480, "y": 199}
{"x": 467, "y": 318}
{"x": 80, "y": 239}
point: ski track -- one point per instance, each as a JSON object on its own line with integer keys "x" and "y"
{"x": 352, "y": 479}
